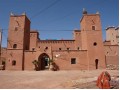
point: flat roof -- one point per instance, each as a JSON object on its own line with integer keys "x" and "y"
{"x": 77, "y": 30}
{"x": 111, "y": 45}
{"x": 34, "y": 31}
{"x": 55, "y": 40}
{"x": 110, "y": 27}
{"x": 88, "y": 15}
{"x": 14, "y": 15}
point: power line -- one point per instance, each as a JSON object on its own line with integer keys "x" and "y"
{"x": 51, "y": 5}
{"x": 44, "y": 30}
{"x": 55, "y": 30}
{"x": 60, "y": 18}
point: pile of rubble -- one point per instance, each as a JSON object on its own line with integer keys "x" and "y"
{"x": 112, "y": 67}
{"x": 114, "y": 83}
{"x": 82, "y": 83}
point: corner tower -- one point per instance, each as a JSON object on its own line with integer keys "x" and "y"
{"x": 91, "y": 37}
{"x": 18, "y": 41}
{"x": 19, "y": 32}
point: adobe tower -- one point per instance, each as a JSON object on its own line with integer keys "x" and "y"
{"x": 18, "y": 41}
{"x": 91, "y": 37}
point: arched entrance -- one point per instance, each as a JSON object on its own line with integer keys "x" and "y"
{"x": 43, "y": 61}
{"x": 96, "y": 63}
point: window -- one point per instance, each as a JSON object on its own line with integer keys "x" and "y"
{"x": 46, "y": 48}
{"x": 78, "y": 48}
{"x": 15, "y": 46}
{"x": 16, "y": 28}
{"x": 68, "y": 48}
{"x": 73, "y": 60}
{"x": 60, "y": 49}
{"x": 96, "y": 63}
{"x": 13, "y": 63}
{"x": 93, "y": 27}
{"x": 33, "y": 49}
{"x": 117, "y": 36}
{"x": 95, "y": 44}
{"x": 3, "y": 62}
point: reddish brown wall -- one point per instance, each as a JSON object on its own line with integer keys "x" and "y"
{"x": 33, "y": 39}
{"x": 112, "y": 54}
{"x": 18, "y": 57}
{"x": 112, "y": 60}
{"x": 29, "y": 58}
{"x": 64, "y": 60}
{"x": 56, "y": 44}
{"x": 84, "y": 39}
{"x": 89, "y": 37}
{"x": 77, "y": 38}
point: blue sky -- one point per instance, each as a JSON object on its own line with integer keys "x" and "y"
{"x": 55, "y": 19}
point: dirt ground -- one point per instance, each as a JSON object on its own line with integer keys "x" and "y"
{"x": 53, "y": 79}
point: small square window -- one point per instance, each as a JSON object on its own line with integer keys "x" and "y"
{"x": 68, "y": 48}
{"x": 73, "y": 60}
{"x": 3, "y": 62}
{"x": 13, "y": 63}
{"x": 117, "y": 36}
{"x": 16, "y": 28}
{"x": 46, "y": 48}
{"x": 15, "y": 46}
{"x": 33, "y": 49}
{"x": 60, "y": 49}
{"x": 93, "y": 27}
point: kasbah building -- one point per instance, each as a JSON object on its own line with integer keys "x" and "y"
{"x": 86, "y": 51}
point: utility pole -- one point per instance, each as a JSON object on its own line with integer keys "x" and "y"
{"x": 52, "y": 52}
{"x": 0, "y": 44}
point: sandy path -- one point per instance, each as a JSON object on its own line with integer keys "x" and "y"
{"x": 48, "y": 79}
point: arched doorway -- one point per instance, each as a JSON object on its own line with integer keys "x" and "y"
{"x": 43, "y": 61}
{"x": 96, "y": 63}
